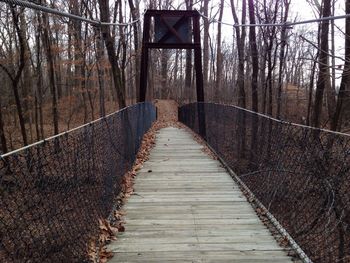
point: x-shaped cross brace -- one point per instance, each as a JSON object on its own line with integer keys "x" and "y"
{"x": 172, "y": 30}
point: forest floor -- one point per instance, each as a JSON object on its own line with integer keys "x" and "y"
{"x": 167, "y": 110}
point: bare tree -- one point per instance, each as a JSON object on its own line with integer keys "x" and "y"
{"x": 51, "y": 70}
{"x": 135, "y": 14}
{"x": 188, "y": 71}
{"x": 342, "y": 109}
{"x": 219, "y": 58}
{"x": 111, "y": 51}
{"x": 39, "y": 116}
{"x": 254, "y": 55}
{"x": 240, "y": 38}
{"x": 3, "y": 148}
{"x": 282, "y": 58}
{"x": 323, "y": 76}
{"x": 15, "y": 77}
{"x": 79, "y": 57}
{"x": 254, "y": 78}
{"x": 205, "y": 43}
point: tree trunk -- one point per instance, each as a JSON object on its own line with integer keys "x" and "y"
{"x": 282, "y": 59}
{"x": 3, "y": 145}
{"x": 99, "y": 52}
{"x": 240, "y": 37}
{"x": 205, "y": 43}
{"x": 79, "y": 58}
{"x": 51, "y": 71}
{"x": 17, "y": 76}
{"x": 331, "y": 92}
{"x": 188, "y": 71}
{"x": 254, "y": 79}
{"x": 39, "y": 81}
{"x": 122, "y": 48}
{"x": 163, "y": 73}
{"x": 218, "y": 87}
{"x": 323, "y": 77}
{"x": 342, "y": 110}
{"x": 254, "y": 54}
{"x": 135, "y": 14}
{"x": 311, "y": 89}
{"x": 26, "y": 83}
{"x": 104, "y": 13}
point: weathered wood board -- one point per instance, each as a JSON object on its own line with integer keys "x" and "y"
{"x": 187, "y": 208}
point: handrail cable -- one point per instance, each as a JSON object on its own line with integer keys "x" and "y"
{"x": 65, "y": 14}
{"x": 67, "y": 132}
{"x": 281, "y": 121}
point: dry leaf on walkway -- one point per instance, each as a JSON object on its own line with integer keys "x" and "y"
{"x": 92, "y": 251}
{"x": 121, "y": 228}
{"x": 105, "y": 255}
{"x": 138, "y": 167}
{"x": 107, "y": 232}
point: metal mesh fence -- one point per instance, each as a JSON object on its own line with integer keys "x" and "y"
{"x": 300, "y": 174}
{"x": 54, "y": 192}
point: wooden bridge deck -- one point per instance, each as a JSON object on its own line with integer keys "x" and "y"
{"x": 187, "y": 208}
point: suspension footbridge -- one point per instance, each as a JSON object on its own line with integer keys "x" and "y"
{"x": 279, "y": 192}
{"x": 275, "y": 191}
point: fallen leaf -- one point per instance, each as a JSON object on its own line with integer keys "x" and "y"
{"x": 121, "y": 228}
{"x": 92, "y": 251}
{"x": 105, "y": 255}
{"x": 137, "y": 167}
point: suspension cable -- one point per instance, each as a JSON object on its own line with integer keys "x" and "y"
{"x": 286, "y": 24}
{"x": 100, "y": 23}
{"x": 65, "y": 14}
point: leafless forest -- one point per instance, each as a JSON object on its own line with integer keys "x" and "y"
{"x": 58, "y": 73}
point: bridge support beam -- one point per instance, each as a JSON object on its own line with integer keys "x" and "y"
{"x": 171, "y": 29}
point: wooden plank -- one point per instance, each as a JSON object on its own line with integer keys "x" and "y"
{"x": 202, "y": 256}
{"x": 220, "y": 210}
{"x": 187, "y": 208}
{"x": 169, "y": 216}
{"x": 165, "y": 199}
{"x": 188, "y": 194}
{"x": 183, "y": 169}
{"x": 245, "y": 227}
{"x": 195, "y": 246}
{"x": 217, "y": 221}
{"x": 215, "y": 208}
{"x": 249, "y": 239}
{"x": 196, "y": 233}
{"x": 161, "y": 205}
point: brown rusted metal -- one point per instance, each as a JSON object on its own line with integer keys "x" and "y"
{"x": 172, "y": 31}
{"x": 172, "y": 38}
{"x": 144, "y": 58}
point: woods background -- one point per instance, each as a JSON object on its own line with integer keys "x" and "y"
{"x": 58, "y": 73}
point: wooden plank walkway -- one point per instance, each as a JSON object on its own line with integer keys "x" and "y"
{"x": 187, "y": 208}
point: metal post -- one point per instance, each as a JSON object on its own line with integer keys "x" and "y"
{"x": 199, "y": 77}
{"x": 198, "y": 59}
{"x": 144, "y": 59}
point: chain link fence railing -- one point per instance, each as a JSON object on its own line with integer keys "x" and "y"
{"x": 53, "y": 192}
{"x": 300, "y": 174}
